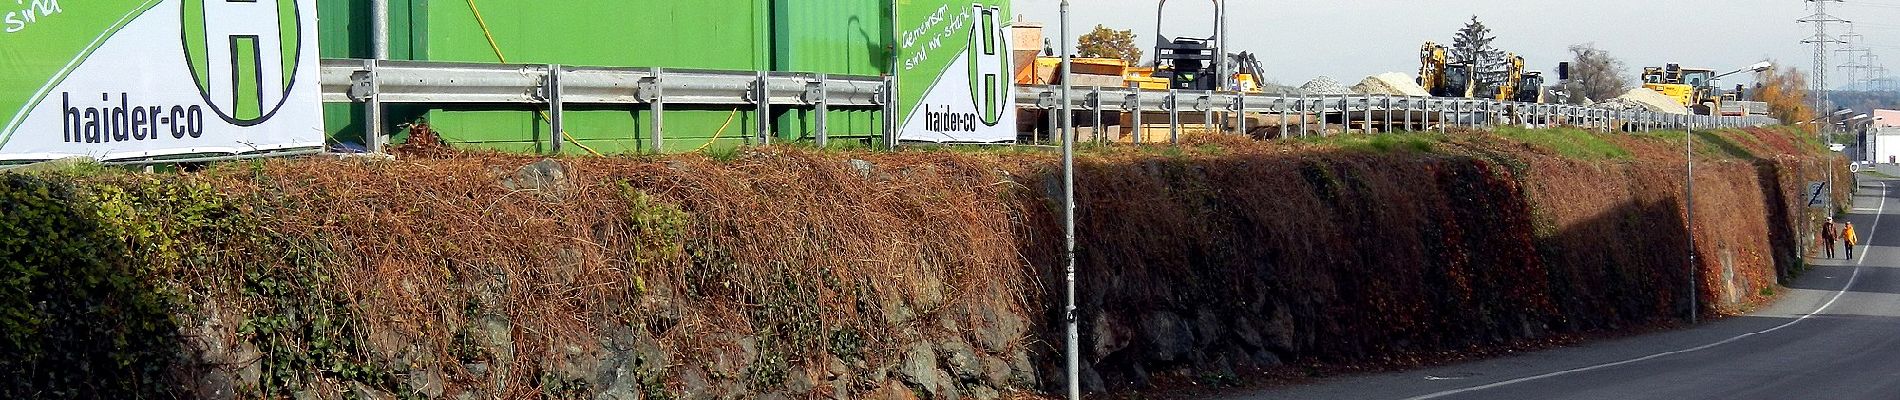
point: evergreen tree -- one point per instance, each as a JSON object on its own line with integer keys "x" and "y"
{"x": 1473, "y": 45}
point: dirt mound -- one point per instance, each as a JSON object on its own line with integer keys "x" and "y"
{"x": 1325, "y": 86}
{"x": 1391, "y": 83}
{"x": 1640, "y": 99}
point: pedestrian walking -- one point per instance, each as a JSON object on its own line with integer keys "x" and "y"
{"x": 1848, "y": 236}
{"x": 1827, "y": 237}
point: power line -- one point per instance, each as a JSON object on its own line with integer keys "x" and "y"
{"x": 1821, "y": 20}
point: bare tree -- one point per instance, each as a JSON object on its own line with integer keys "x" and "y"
{"x": 1595, "y": 75}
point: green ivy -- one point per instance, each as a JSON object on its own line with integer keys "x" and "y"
{"x": 80, "y": 315}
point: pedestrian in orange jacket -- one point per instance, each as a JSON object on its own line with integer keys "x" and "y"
{"x": 1848, "y": 236}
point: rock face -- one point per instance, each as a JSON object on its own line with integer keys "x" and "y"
{"x": 919, "y": 275}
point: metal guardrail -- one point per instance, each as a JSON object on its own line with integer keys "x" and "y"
{"x": 1302, "y": 113}
{"x": 554, "y": 86}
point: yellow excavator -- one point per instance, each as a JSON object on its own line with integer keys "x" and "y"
{"x": 1521, "y": 85}
{"x": 1441, "y": 77}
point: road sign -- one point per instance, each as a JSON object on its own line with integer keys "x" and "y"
{"x": 1817, "y": 195}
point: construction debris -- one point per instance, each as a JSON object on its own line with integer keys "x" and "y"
{"x": 1325, "y": 86}
{"x": 1391, "y": 83}
{"x": 1645, "y": 99}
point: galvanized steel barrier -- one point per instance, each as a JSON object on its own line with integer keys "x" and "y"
{"x": 1301, "y": 116}
{"x": 554, "y": 86}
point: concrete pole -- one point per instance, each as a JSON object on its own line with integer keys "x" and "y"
{"x": 1071, "y": 348}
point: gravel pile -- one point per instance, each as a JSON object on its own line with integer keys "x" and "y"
{"x": 1391, "y": 83}
{"x": 1325, "y": 86}
{"x": 1645, "y": 99}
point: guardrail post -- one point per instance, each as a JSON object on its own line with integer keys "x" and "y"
{"x": 1206, "y": 104}
{"x": 1304, "y": 111}
{"x": 656, "y": 103}
{"x": 1174, "y": 116}
{"x": 1323, "y": 100}
{"x": 1240, "y": 113}
{"x": 1444, "y": 115}
{"x": 824, "y": 111}
{"x": 373, "y": 108}
{"x": 1280, "y": 104}
{"x": 1386, "y": 104}
{"x": 763, "y": 89}
{"x": 1095, "y": 107}
{"x": 1134, "y": 101}
{"x": 556, "y": 110}
{"x": 1409, "y": 104}
{"x": 887, "y": 97}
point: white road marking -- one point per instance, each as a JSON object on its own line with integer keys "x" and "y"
{"x": 1822, "y": 309}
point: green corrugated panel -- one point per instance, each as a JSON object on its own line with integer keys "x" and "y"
{"x": 344, "y": 32}
{"x": 726, "y": 35}
{"x": 834, "y": 37}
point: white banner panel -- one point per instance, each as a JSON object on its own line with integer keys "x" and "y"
{"x": 122, "y": 79}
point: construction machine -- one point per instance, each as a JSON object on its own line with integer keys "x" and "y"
{"x": 1521, "y": 85}
{"x": 1691, "y": 87}
{"x": 1187, "y": 63}
{"x": 1441, "y": 77}
{"x": 1695, "y": 87}
{"x": 1247, "y": 78}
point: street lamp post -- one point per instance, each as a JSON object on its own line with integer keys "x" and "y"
{"x": 1688, "y": 204}
{"x": 1071, "y": 348}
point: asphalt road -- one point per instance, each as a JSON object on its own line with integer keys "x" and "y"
{"x": 1834, "y": 335}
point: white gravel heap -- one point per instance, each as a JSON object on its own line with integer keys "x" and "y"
{"x": 1645, "y": 99}
{"x": 1391, "y": 83}
{"x": 1325, "y": 86}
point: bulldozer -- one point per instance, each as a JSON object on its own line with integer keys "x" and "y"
{"x": 1692, "y": 87}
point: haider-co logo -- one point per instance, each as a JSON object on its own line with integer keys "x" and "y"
{"x": 243, "y": 55}
{"x": 989, "y": 62}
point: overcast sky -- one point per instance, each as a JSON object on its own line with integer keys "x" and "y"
{"x": 1298, "y": 40}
